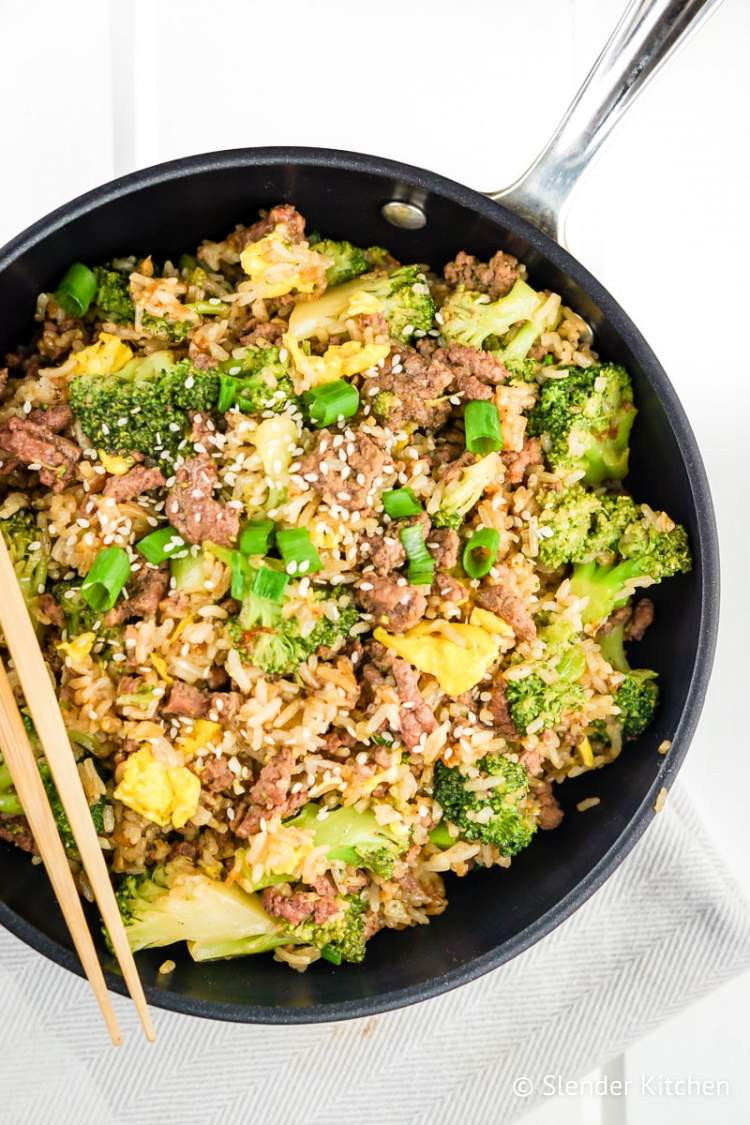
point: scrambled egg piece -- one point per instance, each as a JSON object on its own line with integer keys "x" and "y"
{"x": 104, "y": 357}
{"x": 163, "y": 794}
{"x": 203, "y": 734}
{"x": 114, "y": 464}
{"x": 457, "y": 655}
{"x": 160, "y": 665}
{"x": 77, "y": 651}
{"x": 338, "y": 362}
{"x": 585, "y": 752}
{"x": 490, "y": 622}
{"x": 276, "y": 265}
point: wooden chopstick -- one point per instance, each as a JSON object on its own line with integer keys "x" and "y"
{"x": 45, "y": 712}
{"x": 19, "y": 757}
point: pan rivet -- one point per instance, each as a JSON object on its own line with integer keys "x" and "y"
{"x": 407, "y": 216}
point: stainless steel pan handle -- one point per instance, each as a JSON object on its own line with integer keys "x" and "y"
{"x": 647, "y": 34}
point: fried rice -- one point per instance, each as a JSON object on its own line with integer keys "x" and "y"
{"x": 204, "y": 738}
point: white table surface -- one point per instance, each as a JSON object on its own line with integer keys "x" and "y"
{"x": 94, "y": 89}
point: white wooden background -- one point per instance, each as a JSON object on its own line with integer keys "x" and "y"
{"x": 91, "y": 89}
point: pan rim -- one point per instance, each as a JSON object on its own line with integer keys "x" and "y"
{"x": 707, "y": 550}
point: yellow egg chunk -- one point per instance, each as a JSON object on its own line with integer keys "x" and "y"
{"x": 160, "y": 665}
{"x": 203, "y": 734}
{"x": 104, "y": 357}
{"x": 491, "y": 622}
{"x": 339, "y": 361}
{"x": 276, "y": 265}
{"x": 114, "y": 464}
{"x": 457, "y": 655}
{"x": 163, "y": 794}
{"x": 77, "y": 650}
{"x": 585, "y": 752}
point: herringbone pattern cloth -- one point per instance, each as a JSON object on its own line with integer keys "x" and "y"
{"x": 669, "y": 926}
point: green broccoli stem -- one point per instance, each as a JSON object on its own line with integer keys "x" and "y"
{"x": 606, "y": 587}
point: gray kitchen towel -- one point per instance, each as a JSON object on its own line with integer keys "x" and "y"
{"x": 669, "y": 926}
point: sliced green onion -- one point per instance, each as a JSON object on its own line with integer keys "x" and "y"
{"x": 441, "y": 837}
{"x": 161, "y": 545}
{"x": 106, "y": 579}
{"x": 209, "y": 308}
{"x": 421, "y": 563}
{"x": 270, "y": 583}
{"x": 227, "y": 392}
{"x": 239, "y": 567}
{"x": 223, "y": 554}
{"x": 480, "y": 552}
{"x": 241, "y": 575}
{"x": 297, "y": 551}
{"x": 400, "y": 502}
{"x": 331, "y": 401}
{"x": 482, "y": 426}
{"x": 255, "y": 537}
{"x": 76, "y": 290}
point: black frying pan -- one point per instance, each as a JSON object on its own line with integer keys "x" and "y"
{"x": 493, "y": 915}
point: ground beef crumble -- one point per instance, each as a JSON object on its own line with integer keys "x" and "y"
{"x": 345, "y": 470}
{"x": 392, "y": 603}
{"x": 191, "y": 508}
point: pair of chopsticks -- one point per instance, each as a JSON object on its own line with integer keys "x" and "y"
{"x": 21, "y": 762}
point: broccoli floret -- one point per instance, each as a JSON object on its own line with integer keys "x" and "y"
{"x": 403, "y": 296}
{"x": 615, "y": 511}
{"x": 144, "y": 407}
{"x": 470, "y": 318}
{"x": 645, "y": 553}
{"x": 9, "y": 803}
{"x": 97, "y": 815}
{"x": 510, "y": 824}
{"x": 256, "y": 380}
{"x": 564, "y": 525}
{"x": 327, "y": 633}
{"x": 380, "y": 259}
{"x": 178, "y": 903}
{"x": 532, "y": 698}
{"x": 79, "y": 616}
{"x": 585, "y": 415}
{"x": 113, "y": 300}
{"x": 577, "y": 525}
{"x": 352, "y": 837}
{"x": 637, "y": 697}
{"x": 638, "y": 694}
{"x": 547, "y": 696}
{"x": 407, "y": 304}
{"x": 61, "y": 820}
{"x": 63, "y": 826}
{"x": 525, "y": 370}
{"x": 29, "y": 554}
{"x": 340, "y": 938}
{"x": 348, "y": 261}
{"x": 450, "y": 503}
{"x": 384, "y": 403}
{"x": 263, "y": 637}
{"x": 544, "y": 318}
{"x": 173, "y": 330}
